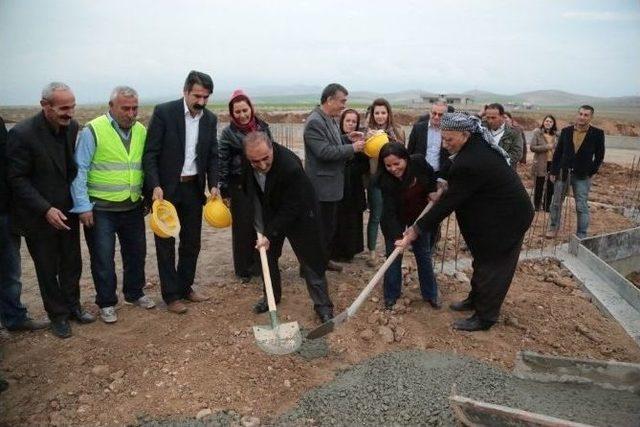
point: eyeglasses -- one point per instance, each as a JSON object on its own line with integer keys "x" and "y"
{"x": 437, "y": 114}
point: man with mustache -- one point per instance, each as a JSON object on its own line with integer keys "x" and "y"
{"x": 180, "y": 157}
{"x": 41, "y": 169}
{"x": 107, "y": 197}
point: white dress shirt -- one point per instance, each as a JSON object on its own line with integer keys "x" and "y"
{"x": 434, "y": 142}
{"x": 191, "y": 127}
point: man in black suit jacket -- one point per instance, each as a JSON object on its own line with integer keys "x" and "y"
{"x": 493, "y": 211}
{"x": 41, "y": 169}
{"x": 578, "y": 156}
{"x": 286, "y": 206}
{"x": 431, "y": 149}
{"x": 13, "y": 314}
{"x": 180, "y": 157}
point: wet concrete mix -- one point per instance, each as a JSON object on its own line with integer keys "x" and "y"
{"x": 413, "y": 387}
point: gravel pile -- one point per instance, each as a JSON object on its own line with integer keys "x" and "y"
{"x": 412, "y": 388}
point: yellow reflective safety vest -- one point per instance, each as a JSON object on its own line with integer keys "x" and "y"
{"x": 116, "y": 175}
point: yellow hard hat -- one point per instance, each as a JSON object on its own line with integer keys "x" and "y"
{"x": 164, "y": 219}
{"x": 216, "y": 213}
{"x": 373, "y": 145}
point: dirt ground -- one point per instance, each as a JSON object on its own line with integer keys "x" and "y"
{"x": 613, "y": 124}
{"x": 156, "y": 364}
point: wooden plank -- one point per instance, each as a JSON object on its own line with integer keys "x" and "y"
{"x": 475, "y": 413}
{"x": 609, "y": 374}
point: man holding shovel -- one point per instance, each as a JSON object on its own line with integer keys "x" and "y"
{"x": 493, "y": 210}
{"x": 285, "y": 206}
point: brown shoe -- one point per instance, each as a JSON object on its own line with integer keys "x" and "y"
{"x": 196, "y": 297}
{"x": 372, "y": 259}
{"x": 177, "y": 307}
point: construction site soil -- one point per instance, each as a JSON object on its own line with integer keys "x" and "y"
{"x": 383, "y": 367}
{"x": 626, "y": 124}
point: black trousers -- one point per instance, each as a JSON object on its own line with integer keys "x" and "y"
{"x": 243, "y": 234}
{"x": 329, "y": 217}
{"x": 543, "y": 188}
{"x": 176, "y": 281}
{"x": 58, "y": 263}
{"x": 490, "y": 282}
{"x": 316, "y": 282}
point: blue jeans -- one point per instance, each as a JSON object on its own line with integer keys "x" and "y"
{"x": 101, "y": 240}
{"x": 580, "y": 189}
{"x": 393, "y": 276}
{"x": 12, "y": 312}
{"x": 374, "y": 200}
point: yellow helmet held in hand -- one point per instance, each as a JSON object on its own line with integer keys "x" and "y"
{"x": 164, "y": 219}
{"x": 216, "y": 213}
{"x": 373, "y": 145}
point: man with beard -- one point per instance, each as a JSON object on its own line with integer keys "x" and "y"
{"x": 41, "y": 170}
{"x": 180, "y": 157}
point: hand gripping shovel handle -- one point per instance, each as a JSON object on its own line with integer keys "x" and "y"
{"x": 267, "y": 285}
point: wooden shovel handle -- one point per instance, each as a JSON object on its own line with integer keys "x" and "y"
{"x": 267, "y": 277}
{"x": 353, "y": 308}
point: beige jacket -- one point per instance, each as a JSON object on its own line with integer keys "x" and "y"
{"x": 543, "y": 153}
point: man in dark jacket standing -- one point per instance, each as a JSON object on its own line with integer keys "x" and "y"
{"x": 504, "y": 135}
{"x": 493, "y": 211}
{"x": 13, "y": 315}
{"x": 425, "y": 139}
{"x": 578, "y": 156}
{"x": 180, "y": 157}
{"x": 285, "y": 206}
{"x": 41, "y": 169}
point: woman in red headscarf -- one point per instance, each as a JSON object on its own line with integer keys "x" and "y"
{"x": 243, "y": 120}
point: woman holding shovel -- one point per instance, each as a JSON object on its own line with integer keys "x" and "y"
{"x": 380, "y": 118}
{"x": 407, "y": 182}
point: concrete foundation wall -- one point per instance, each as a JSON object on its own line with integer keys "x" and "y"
{"x": 614, "y": 246}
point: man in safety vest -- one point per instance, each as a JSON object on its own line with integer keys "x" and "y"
{"x": 107, "y": 195}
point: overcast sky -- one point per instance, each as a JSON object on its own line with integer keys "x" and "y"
{"x": 503, "y": 46}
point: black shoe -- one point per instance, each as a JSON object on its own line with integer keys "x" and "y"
{"x": 464, "y": 305}
{"x": 262, "y": 306}
{"x": 82, "y": 316}
{"x": 60, "y": 328}
{"x": 244, "y": 279}
{"x": 30, "y": 325}
{"x": 388, "y": 305}
{"x": 473, "y": 323}
{"x": 3, "y": 385}
{"x": 325, "y": 317}
{"x": 334, "y": 266}
{"x": 434, "y": 302}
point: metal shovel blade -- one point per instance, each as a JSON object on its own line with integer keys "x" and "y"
{"x": 284, "y": 338}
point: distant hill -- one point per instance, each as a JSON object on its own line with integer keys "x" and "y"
{"x": 413, "y": 97}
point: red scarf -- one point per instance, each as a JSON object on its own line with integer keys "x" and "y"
{"x": 252, "y": 125}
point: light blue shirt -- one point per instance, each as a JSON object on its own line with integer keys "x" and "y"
{"x": 85, "y": 149}
{"x": 434, "y": 141}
